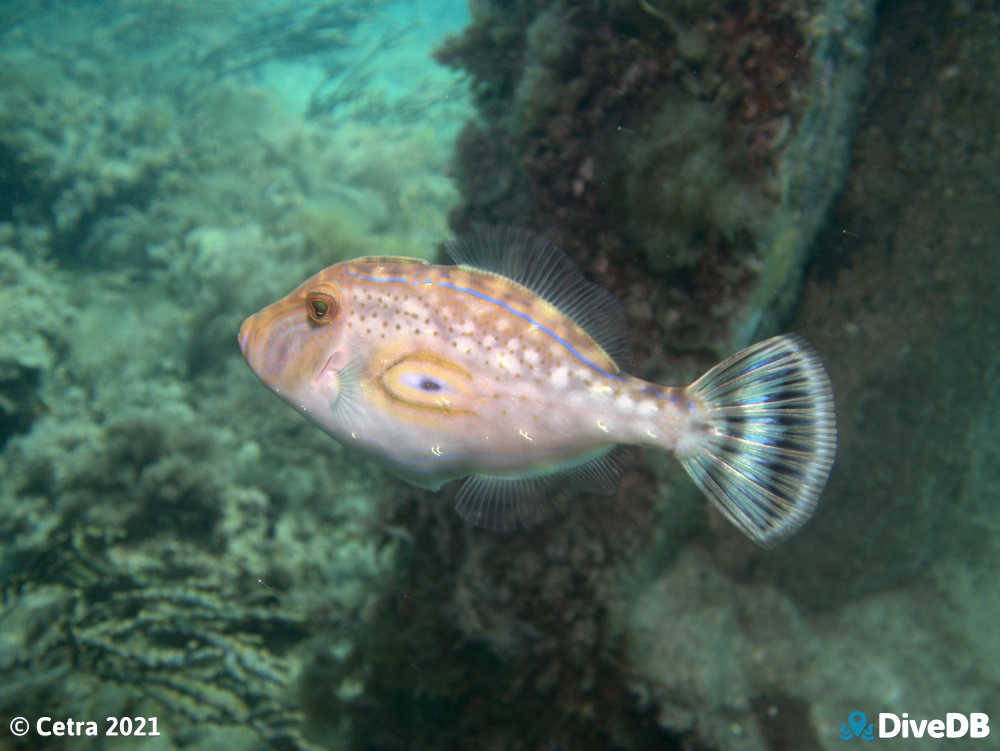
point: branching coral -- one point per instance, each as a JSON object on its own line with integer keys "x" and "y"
{"x": 133, "y": 555}
{"x": 187, "y": 652}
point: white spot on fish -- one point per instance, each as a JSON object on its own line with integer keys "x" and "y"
{"x": 525, "y": 435}
{"x": 602, "y": 426}
{"x": 436, "y": 450}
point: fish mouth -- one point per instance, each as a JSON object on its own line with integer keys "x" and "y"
{"x": 244, "y": 336}
{"x": 266, "y": 340}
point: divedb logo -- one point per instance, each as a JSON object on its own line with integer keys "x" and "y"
{"x": 953, "y": 725}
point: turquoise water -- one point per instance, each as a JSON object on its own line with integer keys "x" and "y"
{"x": 182, "y": 553}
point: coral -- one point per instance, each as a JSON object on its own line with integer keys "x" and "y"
{"x": 33, "y": 321}
{"x": 167, "y": 550}
{"x": 76, "y": 150}
{"x": 118, "y": 177}
{"x": 87, "y": 589}
{"x": 132, "y": 553}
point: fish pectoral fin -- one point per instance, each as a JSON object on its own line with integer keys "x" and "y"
{"x": 507, "y": 503}
{"x": 347, "y": 410}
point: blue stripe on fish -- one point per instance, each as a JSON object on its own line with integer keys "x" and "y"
{"x": 533, "y": 322}
{"x": 500, "y": 303}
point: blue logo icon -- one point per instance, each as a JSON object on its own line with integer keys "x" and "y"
{"x": 857, "y": 726}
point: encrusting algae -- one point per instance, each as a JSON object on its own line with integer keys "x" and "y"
{"x": 509, "y": 370}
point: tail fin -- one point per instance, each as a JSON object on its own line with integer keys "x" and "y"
{"x": 771, "y": 437}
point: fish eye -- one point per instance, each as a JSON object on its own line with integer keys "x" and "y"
{"x": 321, "y": 307}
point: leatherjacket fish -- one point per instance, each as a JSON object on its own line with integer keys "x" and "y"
{"x": 508, "y": 369}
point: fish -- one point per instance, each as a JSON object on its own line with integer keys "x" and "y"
{"x": 510, "y": 369}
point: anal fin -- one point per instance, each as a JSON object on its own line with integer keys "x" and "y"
{"x": 508, "y": 503}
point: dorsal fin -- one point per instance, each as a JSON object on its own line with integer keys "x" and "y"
{"x": 537, "y": 264}
{"x": 389, "y": 259}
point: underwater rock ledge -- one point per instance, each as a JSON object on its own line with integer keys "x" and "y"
{"x": 686, "y": 158}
